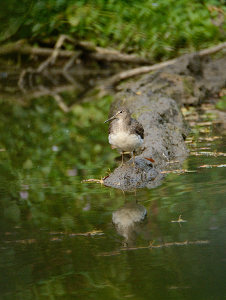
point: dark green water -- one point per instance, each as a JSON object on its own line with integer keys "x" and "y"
{"x": 47, "y": 214}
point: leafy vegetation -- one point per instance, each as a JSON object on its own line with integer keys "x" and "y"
{"x": 221, "y": 104}
{"x": 158, "y": 29}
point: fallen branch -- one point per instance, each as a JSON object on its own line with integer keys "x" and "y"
{"x": 212, "y": 50}
{"x": 22, "y": 48}
{"x": 59, "y": 237}
{"x": 151, "y": 246}
{"x": 94, "y": 52}
{"x": 114, "y": 80}
{"x": 97, "y": 53}
{"x": 166, "y": 245}
{"x": 103, "y": 86}
{"x": 138, "y": 71}
{"x": 110, "y": 83}
{"x": 180, "y": 171}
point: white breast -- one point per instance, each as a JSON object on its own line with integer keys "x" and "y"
{"x": 124, "y": 141}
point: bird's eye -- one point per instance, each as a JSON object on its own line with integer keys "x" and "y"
{"x": 120, "y": 111}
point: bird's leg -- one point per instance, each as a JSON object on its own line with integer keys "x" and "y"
{"x": 123, "y": 152}
{"x": 122, "y": 159}
{"x": 133, "y": 157}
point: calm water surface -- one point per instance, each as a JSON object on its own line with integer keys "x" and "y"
{"x": 57, "y": 236}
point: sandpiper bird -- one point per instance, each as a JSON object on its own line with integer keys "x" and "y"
{"x": 125, "y": 133}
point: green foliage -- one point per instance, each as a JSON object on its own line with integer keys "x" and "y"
{"x": 221, "y": 104}
{"x": 12, "y": 16}
{"x": 158, "y": 29}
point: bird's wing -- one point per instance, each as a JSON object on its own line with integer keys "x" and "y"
{"x": 138, "y": 128}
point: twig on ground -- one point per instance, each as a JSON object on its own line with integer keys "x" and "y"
{"x": 180, "y": 220}
{"x": 152, "y": 246}
{"x": 101, "y": 181}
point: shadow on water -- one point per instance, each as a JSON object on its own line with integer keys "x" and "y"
{"x": 57, "y": 236}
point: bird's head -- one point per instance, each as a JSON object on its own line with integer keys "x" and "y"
{"x": 121, "y": 114}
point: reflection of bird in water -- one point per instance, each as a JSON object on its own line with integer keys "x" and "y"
{"x": 128, "y": 220}
{"x": 125, "y": 133}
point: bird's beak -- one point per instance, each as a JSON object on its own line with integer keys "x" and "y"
{"x": 109, "y": 119}
{"x": 112, "y": 118}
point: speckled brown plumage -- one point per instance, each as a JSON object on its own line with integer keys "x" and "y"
{"x": 125, "y": 133}
{"x": 129, "y": 124}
